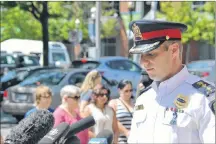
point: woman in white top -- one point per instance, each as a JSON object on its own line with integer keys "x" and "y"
{"x": 104, "y": 115}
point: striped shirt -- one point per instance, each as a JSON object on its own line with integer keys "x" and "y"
{"x": 124, "y": 117}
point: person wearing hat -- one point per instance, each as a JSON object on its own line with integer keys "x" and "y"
{"x": 177, "y": 107}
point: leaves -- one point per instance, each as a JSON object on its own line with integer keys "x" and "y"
{"x": 18, "y": 22}
{"x": 200, "y": 22}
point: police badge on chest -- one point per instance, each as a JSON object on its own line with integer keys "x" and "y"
{"x": 171, "y": 114}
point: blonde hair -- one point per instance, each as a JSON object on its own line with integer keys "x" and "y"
{"x": 89, "y": 81}
{"x": 41, "y": 91}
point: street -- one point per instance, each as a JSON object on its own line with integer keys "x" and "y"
{"x": 7, "y": 122}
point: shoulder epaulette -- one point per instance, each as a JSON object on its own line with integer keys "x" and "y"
{"x": 204, "y": 87}
{"x": 144, "y": 90}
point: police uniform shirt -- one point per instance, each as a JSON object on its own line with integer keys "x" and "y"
{"x": 177, "y": 110}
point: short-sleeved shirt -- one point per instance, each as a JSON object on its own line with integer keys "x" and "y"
{"x": 61, "y": 115}
{"x": 34, "y": 109}
{"x": 86, "y": 96}
{"x": 177, "y": 110}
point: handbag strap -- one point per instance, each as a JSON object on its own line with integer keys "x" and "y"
{"x": 126, "y": 107}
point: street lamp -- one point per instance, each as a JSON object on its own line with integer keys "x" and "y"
{"x": 131, "y": 9}
{"x": 93, "y": 17}
{"x": 77, "y": 23}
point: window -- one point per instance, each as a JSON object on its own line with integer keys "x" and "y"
{"x": 85, "y": 64}
{"x": 124, "y": 65}
{"x": 47, "y": 77}
{"x": 31, "y": 60}
{"x": 58, "y": 57}
{"x": 7, "y": 59}
{"x": 77, "y": 78}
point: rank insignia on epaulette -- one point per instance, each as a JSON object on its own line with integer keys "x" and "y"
{"x": 181, "y": 101}
{"x": 139, "y": 107}
{"x": 204, "y": 87}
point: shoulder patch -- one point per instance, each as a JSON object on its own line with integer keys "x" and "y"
{"x": 204, "y": 87}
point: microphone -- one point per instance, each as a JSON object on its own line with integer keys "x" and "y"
{"x": 104, "y": 137}
{"x": 72, "y": 140}
{"x": 31, "y": 129}
{"x": 80, "y": 126}
{"x": 55, "y": 134}
{"x": 63, "y": 133}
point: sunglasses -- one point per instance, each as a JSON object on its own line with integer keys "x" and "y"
{"x": 101, "y": 94}
{"x": 75, "y": 97}
{"x": 128, "y": 90}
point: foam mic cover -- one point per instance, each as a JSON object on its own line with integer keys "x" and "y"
{"x": 55, "y": 134}
{"x": 31, "y": 129}
{"x": 103, "y": 137}
{"x": 80, "y": 126}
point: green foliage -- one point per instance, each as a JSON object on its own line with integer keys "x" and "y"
{"x": 16, "y": 23}
{"x": 200, "y": 22}
{"x": 108, "y": 26}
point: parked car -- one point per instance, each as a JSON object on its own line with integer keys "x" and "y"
{"x": 16, "y": 76}
{"x": 57, "y": 54}
{"x": 113, "y": 67}
{"x": 201, "y": 68}
{"x": 16, "y": 60}
{"x": 20, "y": 98}
{"x": 8, "y": 62}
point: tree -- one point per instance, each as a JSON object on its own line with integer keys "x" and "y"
{"x": 16, "y": 23}
{"x": 200, "y": 22}
{"x": 40, "y": 12}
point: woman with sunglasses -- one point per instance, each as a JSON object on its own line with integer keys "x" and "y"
{"x": 123, "y": 106}
{"x": 104, "y": 115}
{"x": 68, "y": 111}
{"x": 43, "y": 99}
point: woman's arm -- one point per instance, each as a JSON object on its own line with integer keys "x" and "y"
{"x": 115, "y": 128}
{"x": 83, "y": 105}
{"x": 86, "y": 113}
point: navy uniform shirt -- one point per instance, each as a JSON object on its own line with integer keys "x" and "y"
{"x": 178, "y": 110}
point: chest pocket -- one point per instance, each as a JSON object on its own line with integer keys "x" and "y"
{"x": 182, "y": 120}
{"x": 140, "y": 117}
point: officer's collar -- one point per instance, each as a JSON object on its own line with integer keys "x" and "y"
{"x": 171, "y": 83}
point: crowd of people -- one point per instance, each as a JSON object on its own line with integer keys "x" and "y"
{"x": 91, "y": 98}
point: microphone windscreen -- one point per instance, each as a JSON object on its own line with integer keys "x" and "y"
{"x": 81, "y": 125}
{"x": 31, "y": 129}
{"x": 55, "y": 134}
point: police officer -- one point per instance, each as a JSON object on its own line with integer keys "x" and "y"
{"x": 178, "y": 106}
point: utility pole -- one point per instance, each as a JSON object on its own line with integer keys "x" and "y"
{"x": 98, "y": 40}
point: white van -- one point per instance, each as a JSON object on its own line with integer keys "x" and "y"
{"x": 58, "y": 54}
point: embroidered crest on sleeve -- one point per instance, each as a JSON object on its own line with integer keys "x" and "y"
{"x": 204, "y": 87}
{"x": 139, "y": 107}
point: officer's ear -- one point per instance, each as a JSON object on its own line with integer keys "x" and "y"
{"x": 175, "y": 49}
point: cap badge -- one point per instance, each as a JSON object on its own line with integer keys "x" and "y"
{"x": 137, "y": 33}
{"x": 167, "y": 37}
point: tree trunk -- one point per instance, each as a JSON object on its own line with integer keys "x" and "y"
{"x": 45, "y": 32}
